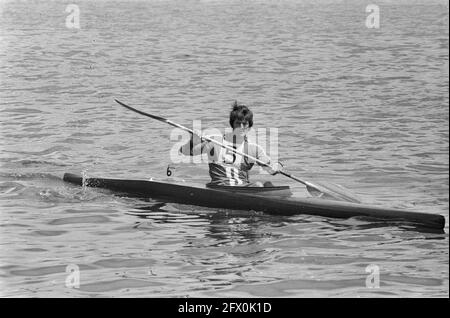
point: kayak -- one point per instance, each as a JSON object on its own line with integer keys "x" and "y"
{"x": 256, "y": 199}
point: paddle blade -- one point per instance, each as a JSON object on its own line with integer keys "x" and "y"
{"x": 331, "y": 191}
{"x": 325, "y": 191}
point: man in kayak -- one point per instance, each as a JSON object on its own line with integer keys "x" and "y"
{"x": 227, "y": 168}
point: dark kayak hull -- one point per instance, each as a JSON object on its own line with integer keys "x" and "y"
{"x": 213, "y": 198}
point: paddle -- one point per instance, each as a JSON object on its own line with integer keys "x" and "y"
{"x": 314, "y": 189}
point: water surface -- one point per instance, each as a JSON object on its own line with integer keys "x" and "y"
{"x": 364, "y": 108}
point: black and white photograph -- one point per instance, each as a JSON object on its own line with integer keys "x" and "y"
{"x": 224, "y": 153}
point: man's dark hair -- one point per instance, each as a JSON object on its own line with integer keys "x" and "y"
{"x": 241, "y": 113}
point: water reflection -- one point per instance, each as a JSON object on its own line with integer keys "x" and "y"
{"x": 220, "y": 225}
{"x": 232, "y": 226}
{"x": 368, "y": 223}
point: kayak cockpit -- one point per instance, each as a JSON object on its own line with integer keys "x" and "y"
{"x": 272, "y": 191}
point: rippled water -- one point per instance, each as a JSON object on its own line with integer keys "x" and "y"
{"x": 364, "y": 108}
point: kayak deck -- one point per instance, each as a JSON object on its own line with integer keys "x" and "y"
{"x": 273, "y": 191}
{"x": 215, "y": 198}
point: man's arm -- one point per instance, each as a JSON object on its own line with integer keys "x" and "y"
{"x": 194, "y": 147}
{"x": 273, "y": 168}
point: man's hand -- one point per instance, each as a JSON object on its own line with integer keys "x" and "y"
{"x": 195, "y": 139}
{"x": 276, "y": 168}
{"x": 194, "y": 142}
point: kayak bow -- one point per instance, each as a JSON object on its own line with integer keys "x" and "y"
{"x": 215, "y": 198}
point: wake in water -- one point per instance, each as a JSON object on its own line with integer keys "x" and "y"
{"x": 28, "y": 163}
{"x": 44, "y": 187}
{"x": 12, "y": 176}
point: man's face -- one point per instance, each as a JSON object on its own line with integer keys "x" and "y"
{"x": 241, "y": 127}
